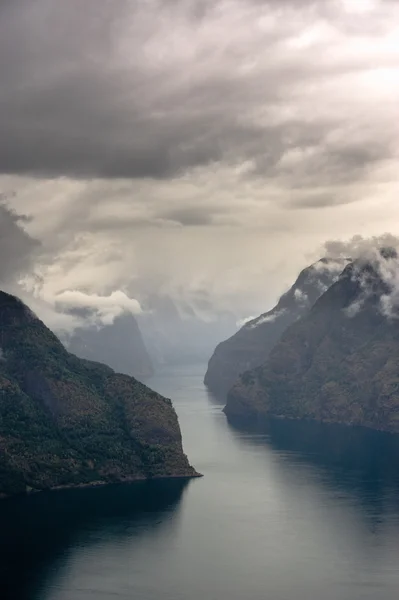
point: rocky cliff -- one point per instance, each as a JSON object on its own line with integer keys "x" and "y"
{"x": 340, "y": 362}
{"x": 250, "y": 346}
{"x": 65, "y": 421}
{"x": 119, "y": 345}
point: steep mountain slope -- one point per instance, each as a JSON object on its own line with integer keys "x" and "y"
{"x": 250, "y": 346}
{"x": 340, "y": 362}
{"x": 67, "y": 421}
{"x": 119, "y": 345}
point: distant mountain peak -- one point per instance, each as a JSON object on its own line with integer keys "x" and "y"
{"x": 375, "y": 278}
{"x": 119, "y": 345}
{"x": 388, "y": 252}
{"x": 250, "y": 346}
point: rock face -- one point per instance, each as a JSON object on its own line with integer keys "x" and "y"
{"x": 339, "y": 363}
{"x": 65, "y": 421}
{"x": 120, "y": 346}
{"x": 251, "y": 345}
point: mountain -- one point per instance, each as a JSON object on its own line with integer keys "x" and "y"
{"x": 119, "y": 345}
{"x": 250, "y": 346}
{"x": 340, "y": 362}
{"x": 65, "y": 421}
{"x": 175, "y": 334}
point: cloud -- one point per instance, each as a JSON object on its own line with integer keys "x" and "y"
{"x": 353, "y": 309}
{"x": 300, "y": 296}
{"x": 196, "y": 149}
{"x": 58, "y": 321}
{"x": 17, "y": 248}
{"x": 386, "y": 263}
{"x": 268, "y": 318}
{"x": 333, "y": 264}
{"x": 376, "y": 262}
{"x": 194, "y": 216}
{"x": 106, "y": 308}
{"x": 241, "y": 322}
{"x": 359, "y": 247}
{"x": 335, "y": 259}
{"x": 153, "y": 89}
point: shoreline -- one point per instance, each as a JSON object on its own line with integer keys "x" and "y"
{"x": 254, "y": 420}
{"x": 99, "y": 483}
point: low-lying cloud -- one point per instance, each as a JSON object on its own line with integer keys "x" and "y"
{"x": 300, "y": 296}
{"x": 359, "y": 247}
{"x": 104, "y": 308}
{"x": 375, "y": 263}
{"x": 268, "y": 318}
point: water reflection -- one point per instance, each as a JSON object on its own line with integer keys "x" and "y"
{"x": 356, "y": 461}
{"x": 215, "y": 399}
{"x": 296, "y": 512}
{"x": 36, "y": 532}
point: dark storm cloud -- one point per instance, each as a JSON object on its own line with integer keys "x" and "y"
{"x": 151, "y": 89}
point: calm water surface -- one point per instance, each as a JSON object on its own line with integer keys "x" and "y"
{"x": 294, "y": 513}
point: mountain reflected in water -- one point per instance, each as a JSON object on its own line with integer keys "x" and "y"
{"x": 37, "y": 532}
{"x": 354, "y": 460}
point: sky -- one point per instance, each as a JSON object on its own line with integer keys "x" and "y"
{"x": 206, "y": 150}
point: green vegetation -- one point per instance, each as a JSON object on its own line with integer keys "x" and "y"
{"x": 66, "y": 421}
{"x": 251, "y": 345}
{"x": 333, "y": 365}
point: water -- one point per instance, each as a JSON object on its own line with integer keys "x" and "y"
{"x": 295, "y": 513}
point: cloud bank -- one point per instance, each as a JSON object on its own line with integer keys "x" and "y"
{"x": 198, "y": 150}
{"x": 152, "y": 89}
